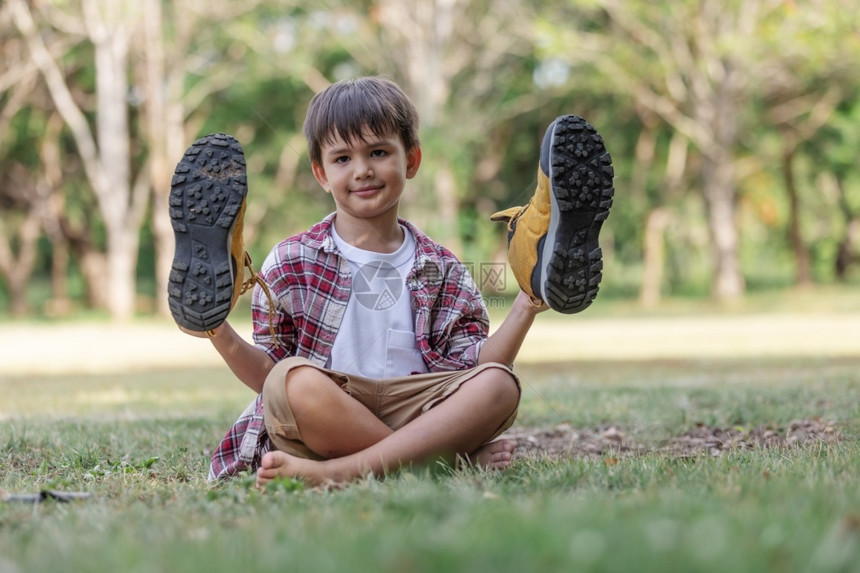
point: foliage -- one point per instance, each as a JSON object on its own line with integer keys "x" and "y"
{"x": 488, "y": 78}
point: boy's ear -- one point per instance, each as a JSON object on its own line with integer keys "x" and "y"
{"x": 320, "y": 176}
{"x": 413, "y": 161}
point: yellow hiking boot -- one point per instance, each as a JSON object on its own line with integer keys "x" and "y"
{"x": 207, "y": 206}
{"x": 552, "y": 241}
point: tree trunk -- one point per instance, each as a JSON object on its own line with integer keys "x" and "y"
{"x": 845, "y": 255}
{"x": 93, "y": 266}
{"x": 162, "y": 234}
{"x": 121, "y": 260}
{"x": 448, "y": 208}
{"x": 17, "y": 270}
{"x": 803, "y": 267}
{"x": 718, "y": 110}
{"x": 654, "y": 257}
{"x": 727, "y": 281}
{"x": 165, "y": 137}
{"x": 115, "y": 160}
{"x": 646, "y": 148}
{"x": 59, "y": 304}
{"x": 653, "y": 251}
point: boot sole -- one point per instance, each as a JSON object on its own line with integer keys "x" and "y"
{"x": 580, "y": 173}
{"x": 206, "y": 195}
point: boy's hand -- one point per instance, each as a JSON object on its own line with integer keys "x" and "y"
{"x": 530, "y": 304}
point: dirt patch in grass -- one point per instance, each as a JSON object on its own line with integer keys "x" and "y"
{"x": 564, "y": 440}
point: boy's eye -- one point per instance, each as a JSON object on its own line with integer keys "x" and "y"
{"x": 341, "y": 159}
{"x": 378, "y": 153}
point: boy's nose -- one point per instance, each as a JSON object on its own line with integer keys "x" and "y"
{"x": 362, "y": 170}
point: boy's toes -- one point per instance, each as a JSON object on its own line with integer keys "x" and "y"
{"x": 495, "y": 455}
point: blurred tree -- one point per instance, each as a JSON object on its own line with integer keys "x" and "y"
{"x": 843, "y": 159}
{"x": 98, "y": 99}
{"x": 815, "y": 72}
{"x": 169, "y": 84}
{"x": 31, "y": 174}
{"x": 19, "y": 227}
{"x": 677, "y": 63}
{"x": 697, "y": 65}
{"x": 104, "y": 149}
{"x": 18, "y": 243}
{"x": 833, "y": 152}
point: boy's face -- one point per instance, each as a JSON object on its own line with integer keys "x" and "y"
{"x": 366, "y": 177}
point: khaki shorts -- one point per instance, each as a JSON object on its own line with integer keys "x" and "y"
{"x": 395, "y": 401}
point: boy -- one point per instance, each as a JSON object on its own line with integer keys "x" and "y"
{"x": 371, "y": 341}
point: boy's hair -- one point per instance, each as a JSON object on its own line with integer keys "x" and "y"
{"x": 345, "y": 109}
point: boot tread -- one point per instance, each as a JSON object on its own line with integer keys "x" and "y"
{"x": 206, "y": 196}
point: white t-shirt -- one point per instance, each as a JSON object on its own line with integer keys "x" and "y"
{"x": 377, "y": 335}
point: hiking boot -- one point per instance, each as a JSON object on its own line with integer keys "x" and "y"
{"x": 552, "y": 241}
{"x": 207, "y": 206}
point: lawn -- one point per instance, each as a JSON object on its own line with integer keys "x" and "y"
{"x": 695, "y": 461}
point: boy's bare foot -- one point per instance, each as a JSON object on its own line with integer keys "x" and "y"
{"x": 494, "y": 456}
{"x": 277, "y": 464}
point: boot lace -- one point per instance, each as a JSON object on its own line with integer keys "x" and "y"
{"x": 248, "y": 284}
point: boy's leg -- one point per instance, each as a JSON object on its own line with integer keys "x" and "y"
{"x": 308, "y": 412}
{"x": 459, "y": 425}
{"x": 333, "y": 423}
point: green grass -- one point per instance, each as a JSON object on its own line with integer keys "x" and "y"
{"x": 140, "y": 445}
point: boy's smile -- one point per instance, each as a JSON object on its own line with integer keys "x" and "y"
{"x": 366, "y": 176}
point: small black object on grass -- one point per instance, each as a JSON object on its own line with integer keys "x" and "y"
{"x": 45, "y": 494}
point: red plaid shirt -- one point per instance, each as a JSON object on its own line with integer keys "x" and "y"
{"x": 311, "y": 282}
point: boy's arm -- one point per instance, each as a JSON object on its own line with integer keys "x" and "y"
{"x": 503, "y": 345}
{"x": 249, "y": 363}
